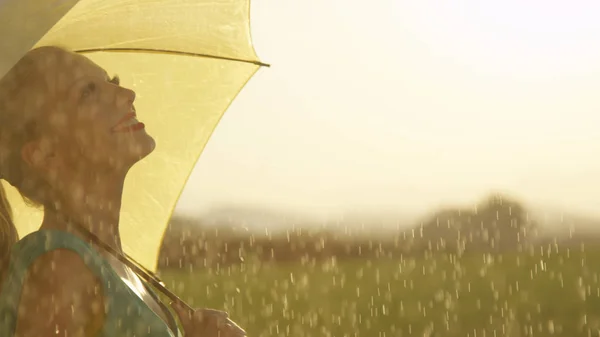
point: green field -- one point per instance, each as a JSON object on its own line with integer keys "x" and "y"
{"x": 543, "y": 292}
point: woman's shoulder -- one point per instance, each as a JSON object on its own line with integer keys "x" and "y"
{"x": 52, "y": 255}
{"x": 60, "y": 284}
{"x": 55, "y": 250}
{"x": 51, "y": 265}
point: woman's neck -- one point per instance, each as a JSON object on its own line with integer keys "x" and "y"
{"x": 106, "y": 231}
{"x": 95, "y": 209}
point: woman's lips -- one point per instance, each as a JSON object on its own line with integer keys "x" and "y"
{"x": 128, "y": 124}
{"x": 130, "y": 128}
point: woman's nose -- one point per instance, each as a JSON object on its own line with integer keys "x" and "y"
{"x": 125, "y": 97}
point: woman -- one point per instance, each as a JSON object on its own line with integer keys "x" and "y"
{"x": 68, "y": 136}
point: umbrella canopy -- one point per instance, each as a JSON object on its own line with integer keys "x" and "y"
{"x": 186, "y": 60}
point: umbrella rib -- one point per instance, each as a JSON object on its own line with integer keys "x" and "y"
{"x": 164, "y": 51}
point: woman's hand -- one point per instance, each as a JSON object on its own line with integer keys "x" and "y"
{"x": 206, "y": 323}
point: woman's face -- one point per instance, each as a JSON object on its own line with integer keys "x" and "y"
{"x": 89, "y": 119}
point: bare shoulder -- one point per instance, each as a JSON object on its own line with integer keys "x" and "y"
{"x": 60, "y": 296}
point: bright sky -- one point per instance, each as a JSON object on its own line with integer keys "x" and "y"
{"x": 408, "y": 104}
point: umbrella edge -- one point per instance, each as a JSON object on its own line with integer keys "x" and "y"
{"x": 172, "y": 52}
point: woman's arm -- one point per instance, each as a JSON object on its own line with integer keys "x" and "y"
{"x": 60, "y": 297}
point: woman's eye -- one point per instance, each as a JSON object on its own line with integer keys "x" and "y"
{"x": 88, "y": 90}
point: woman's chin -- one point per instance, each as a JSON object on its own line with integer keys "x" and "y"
{"x": 136, "y": 149}
{"x": 143, "y": 148}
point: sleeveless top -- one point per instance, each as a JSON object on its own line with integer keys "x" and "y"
{"x": 126, "y": 314}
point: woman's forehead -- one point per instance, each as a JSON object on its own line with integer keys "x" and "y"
{"x": 42, "y": 79}
{"x": 66, "y": 68}
{"x": 76, "y": 65}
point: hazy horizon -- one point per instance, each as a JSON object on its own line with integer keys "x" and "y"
{"x": 411, "y": 105}
{"x": 260, "y": 217}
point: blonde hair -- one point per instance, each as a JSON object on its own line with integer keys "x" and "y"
{"x": 23, "y": 91}
{"x": 8, "y": 231}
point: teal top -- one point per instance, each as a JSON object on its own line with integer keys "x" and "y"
{"x": 126, "y": 313}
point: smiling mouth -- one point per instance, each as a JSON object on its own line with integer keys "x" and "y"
{"x": 128, "y": 124}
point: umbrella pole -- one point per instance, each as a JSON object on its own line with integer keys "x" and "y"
{"x": 144, "y": 273}
{"x": 141, "y": 271}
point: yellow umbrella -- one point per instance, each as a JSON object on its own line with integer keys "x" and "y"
{"x": 186, "y": 60}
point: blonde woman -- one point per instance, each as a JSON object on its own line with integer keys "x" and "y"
{"x": 69, "y": 133}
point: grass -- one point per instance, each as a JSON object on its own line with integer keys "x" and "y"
{"x": 543, "y": 292}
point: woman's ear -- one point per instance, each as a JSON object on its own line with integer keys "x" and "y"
{"x": 38, "y": 154}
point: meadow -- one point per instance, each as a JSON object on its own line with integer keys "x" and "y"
{"x": 545, "y": 291}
